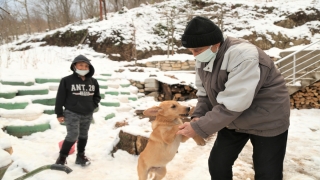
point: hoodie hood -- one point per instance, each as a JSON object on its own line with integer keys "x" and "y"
{"x": 82, "y": 58}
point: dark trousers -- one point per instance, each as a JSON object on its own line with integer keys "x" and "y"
{"x": 268, "y": 154}
{"x": 77, "y": 125}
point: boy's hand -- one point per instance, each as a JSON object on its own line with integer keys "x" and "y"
{"x": 60, "y": 119}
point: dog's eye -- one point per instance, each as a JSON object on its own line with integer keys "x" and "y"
{"x": 173, "y": 106}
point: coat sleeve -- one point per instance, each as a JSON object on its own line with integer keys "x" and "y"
{"x": 96, "y": 95}
{"x": 61, "y": 98}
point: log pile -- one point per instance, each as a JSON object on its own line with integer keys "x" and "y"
{"x": 176, "y": 92}
{"x": 307, "y": 98}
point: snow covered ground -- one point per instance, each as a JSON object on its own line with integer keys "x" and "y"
{"x": 302, "y": 160}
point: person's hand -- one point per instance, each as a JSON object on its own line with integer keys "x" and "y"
{"x": 186, "y": 130}
{"x": 61, "y": 119}
{"x": 195, "y": 119}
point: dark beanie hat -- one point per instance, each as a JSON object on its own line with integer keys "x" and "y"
{"x": 200, "y": 32}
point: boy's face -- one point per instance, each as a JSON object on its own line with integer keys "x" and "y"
{"x": 82, "y": 66}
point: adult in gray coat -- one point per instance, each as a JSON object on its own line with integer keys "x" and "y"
{"x": 242, "y": 96}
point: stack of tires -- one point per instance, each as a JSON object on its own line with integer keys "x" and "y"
{"x": 118, "y": 93}
{"x": 27, "y": 100}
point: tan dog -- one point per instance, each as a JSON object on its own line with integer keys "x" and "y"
{"x": 163, "y": 142}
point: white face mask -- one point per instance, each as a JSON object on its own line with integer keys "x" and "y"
{"x": 82, "y": 72}
{"x": 206, "y": 55}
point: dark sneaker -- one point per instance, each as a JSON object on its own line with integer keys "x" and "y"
{"x": 61, "y": 160}
{"x": 82, "y": 160}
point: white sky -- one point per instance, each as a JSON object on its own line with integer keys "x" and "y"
{"x": 30, "y": 152}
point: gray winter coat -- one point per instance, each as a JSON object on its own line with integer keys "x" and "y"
{"x": 241, "y": 89}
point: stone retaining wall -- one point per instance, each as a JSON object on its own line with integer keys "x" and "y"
{"x": 170, "y": 65}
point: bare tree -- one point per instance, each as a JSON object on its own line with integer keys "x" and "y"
{"x": 64, "y": 7}
{"x": 90, "y": 8}
{"x": 105, "y": 9}
{"x": 45, "y": 8}
{"x": 10, "y": 26}
{"x": 170, "y": 14}
{"x": 80, "y": 3}
{"x": 24, "y": 3}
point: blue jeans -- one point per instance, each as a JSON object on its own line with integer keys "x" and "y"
{"x": 268, "y": 154}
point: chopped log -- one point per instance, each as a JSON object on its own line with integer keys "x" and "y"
{"x": 187, "y": 88}
{"x": 176, "y": 90}
{"x": 141, "y": 144}
{"x": 176, "y": 97}
{"x": 167, "y": 91}
{"x": 130, "y": 143}
{"x": 127, "y": 143}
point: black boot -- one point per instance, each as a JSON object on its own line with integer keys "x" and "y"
{"x": 82, "y": 160}
{"x": 64, "y": 152}
{"x": 81, "y": 144}
{"x": 62, "y": 159}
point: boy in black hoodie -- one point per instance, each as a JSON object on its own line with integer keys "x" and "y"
{"x": 79, "y": 94}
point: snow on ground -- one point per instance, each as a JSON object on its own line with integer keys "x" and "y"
{"x": 302, "y": 160}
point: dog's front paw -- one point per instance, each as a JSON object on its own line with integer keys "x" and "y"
{"x": 202, "y": 142}
{"x": 199, "y": 140}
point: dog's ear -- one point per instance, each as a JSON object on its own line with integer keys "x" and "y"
{"x": 152, "y": 111}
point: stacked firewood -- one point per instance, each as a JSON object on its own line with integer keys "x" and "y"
{"x": 307, "y": 98}
{"x": 176, "y": 92}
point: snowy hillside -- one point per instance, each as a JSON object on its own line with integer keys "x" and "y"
{"x": 30, "y": 102}
{"x": 252, "y": 20}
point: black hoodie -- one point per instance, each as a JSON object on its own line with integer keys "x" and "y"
{"x": 76, "y": 95}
